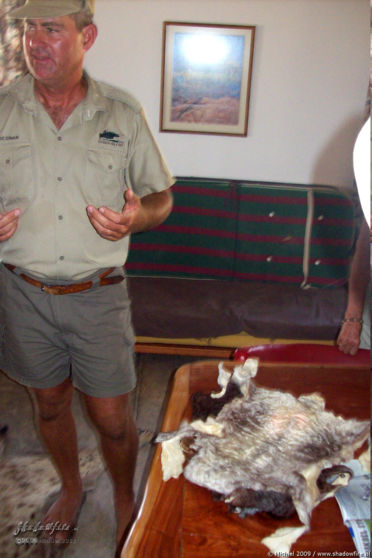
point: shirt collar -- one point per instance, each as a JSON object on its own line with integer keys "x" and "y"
{"x": 94, "y": 100}
{"x": 23, "y": 90}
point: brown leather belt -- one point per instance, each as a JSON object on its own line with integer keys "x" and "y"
{"x": 73, "y": 287}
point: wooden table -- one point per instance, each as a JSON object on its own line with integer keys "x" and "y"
{"x": 178, "y": 519}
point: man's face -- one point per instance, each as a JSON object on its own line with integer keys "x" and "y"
{"x": 54, "y": 49}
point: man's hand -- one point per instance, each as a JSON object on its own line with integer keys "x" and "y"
{"x": 348, "y": 339}
{"x": 8, "y": 224}
{"x": 136, "y": 215}
{"x": 112, "y": 225}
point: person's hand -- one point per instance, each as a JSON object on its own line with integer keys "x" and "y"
{"x": 113, "y": 225}
{"x": 348, "y": 339}
{"x": 8, "y": 224}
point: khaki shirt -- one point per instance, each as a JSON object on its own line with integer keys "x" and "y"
{"x": 52, "y": 174}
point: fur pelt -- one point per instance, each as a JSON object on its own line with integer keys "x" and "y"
{"x": 265, "y": 450}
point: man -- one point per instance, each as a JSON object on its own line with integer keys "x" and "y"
{"x": 356, "y": 327}
{"x": 79, "y": 172}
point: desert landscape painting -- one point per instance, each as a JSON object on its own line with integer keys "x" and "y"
{"x": 206, "y": 75}
{"x": 207, "y": 83}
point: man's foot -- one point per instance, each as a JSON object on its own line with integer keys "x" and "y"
{"x": 125, "y": 516}
{"x": 61, "y": 519}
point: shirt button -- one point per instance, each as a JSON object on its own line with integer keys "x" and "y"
{"x": 59, "y": 138}
{"x": 59, "y": 178}
{"x": 60, "y": 217}
{"x": 62, "y": 258}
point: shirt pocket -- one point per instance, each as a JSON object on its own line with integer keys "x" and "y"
{"x": 15, "y": 177}
{"x": 105, "y": 178}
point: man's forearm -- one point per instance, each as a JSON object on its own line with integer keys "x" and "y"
{"x": 155, "y": 208}
{"x": 359, "y": 274}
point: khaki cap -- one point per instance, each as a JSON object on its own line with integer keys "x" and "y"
{"x": 51, "y": 8}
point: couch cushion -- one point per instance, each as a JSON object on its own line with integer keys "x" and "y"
{"x": 197, "y": 239}
{"x": 332, "y": 238}
{"x": 227, "y": 230}
{"x": 271, "y": 231}
{"x": 176, "y": 308}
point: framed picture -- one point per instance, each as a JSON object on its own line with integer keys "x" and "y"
{"x": 206, "y": 78}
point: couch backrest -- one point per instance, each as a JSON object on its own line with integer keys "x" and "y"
{"x": 250, "y": 231}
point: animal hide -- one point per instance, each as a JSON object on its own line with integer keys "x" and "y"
{"x": 264, "y": 449}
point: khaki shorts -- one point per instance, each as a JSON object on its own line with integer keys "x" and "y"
{"x": 87, "y": 336}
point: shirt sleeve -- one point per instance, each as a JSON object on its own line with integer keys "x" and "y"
{"x": 147, "y": 171}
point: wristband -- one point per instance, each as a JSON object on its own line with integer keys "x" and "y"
{"x": 352, "y": 320}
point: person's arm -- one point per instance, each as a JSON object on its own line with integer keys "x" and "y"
{"x": 138, "y": 214}
{"x": 349, "y": 337}
{"x": 8, "y": 224}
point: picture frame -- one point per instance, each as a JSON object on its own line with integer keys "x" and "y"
{"x": 206, "y": 78}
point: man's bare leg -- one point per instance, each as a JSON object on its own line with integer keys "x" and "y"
{"x": 57, "y": 429}
{"x": 119, "y": 442}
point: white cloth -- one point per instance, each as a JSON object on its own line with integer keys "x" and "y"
{"x": 362, "y": 167}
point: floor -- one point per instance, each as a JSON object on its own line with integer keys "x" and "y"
{"x": 95, "y": 535}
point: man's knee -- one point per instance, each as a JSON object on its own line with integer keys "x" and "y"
{"x": 111, "y": 417}
{"x": 115, "y": 432}
{"x": 51, "y": 403}
{"x": 116, "y": 427}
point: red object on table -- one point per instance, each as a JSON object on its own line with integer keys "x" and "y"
{"x": 303, "y": 353}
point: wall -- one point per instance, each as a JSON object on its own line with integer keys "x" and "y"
{"x": 309, "y": 83}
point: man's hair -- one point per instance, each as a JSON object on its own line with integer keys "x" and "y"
{"x": 82, "y": 19}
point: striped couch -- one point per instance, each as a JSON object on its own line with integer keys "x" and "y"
{"x": 238, "y": 260}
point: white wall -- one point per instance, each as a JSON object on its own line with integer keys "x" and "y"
{"x": 309, "y": 83}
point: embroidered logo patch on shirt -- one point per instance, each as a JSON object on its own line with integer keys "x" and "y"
{"x": 8, "y": 138}
{"x": 111, "y": 138}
